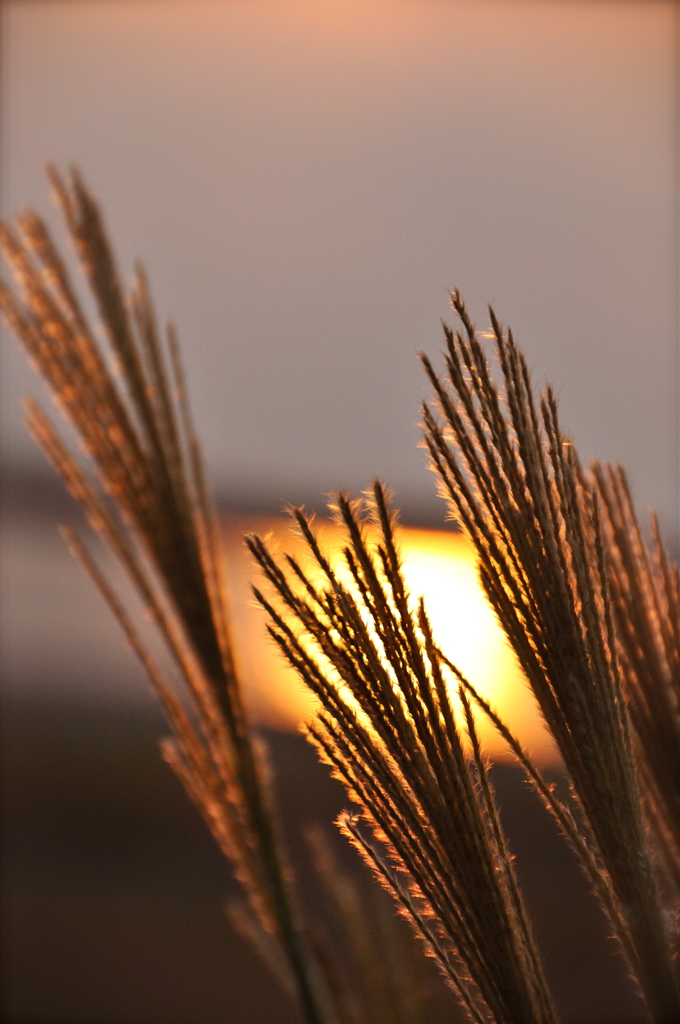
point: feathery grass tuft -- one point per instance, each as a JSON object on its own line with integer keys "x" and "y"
{"x": 148, "y": 499}
{"x": 387, "y": 726}
{"x": 645, "y": 595}
{"x": 513, "y": 481}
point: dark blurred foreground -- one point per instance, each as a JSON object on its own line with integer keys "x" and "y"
{"x": 114, "y": 892}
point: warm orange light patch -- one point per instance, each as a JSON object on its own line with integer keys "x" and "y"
{"x": 440, "y": 566}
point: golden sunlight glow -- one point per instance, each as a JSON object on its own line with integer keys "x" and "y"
{"x": 440, "y": 566}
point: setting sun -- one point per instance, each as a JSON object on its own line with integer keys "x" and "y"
{"x": 439, "y": 566}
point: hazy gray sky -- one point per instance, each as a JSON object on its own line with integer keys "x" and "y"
{"x": 306, "y": 180}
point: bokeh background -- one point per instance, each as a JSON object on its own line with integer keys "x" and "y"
{"x": 305, "y": 181}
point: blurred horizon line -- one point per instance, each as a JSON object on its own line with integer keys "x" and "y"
{"x": 29, "y": 489}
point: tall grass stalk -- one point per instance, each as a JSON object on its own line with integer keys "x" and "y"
{"x": 149, "y": 501}
{"x": 388, "y": 729}
{"x": 514, "y": 482}
{"x": 645, "y": 595}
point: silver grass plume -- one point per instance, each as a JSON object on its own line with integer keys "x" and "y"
{"x": 513, "y": 481}
{"x": 148, "y": 499}
{"x": 427, "y": 821}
